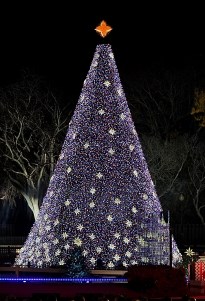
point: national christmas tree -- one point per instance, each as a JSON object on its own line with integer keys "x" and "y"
{"x": 101, "y": 197}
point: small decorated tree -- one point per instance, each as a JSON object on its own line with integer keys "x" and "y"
{"x": 76, "y": 264}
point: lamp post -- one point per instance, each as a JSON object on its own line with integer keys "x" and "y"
{"x": 170, "y": 240}
{"x": 181, "y": 199}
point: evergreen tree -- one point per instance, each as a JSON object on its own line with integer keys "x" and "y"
{"x": 76, "y": 264}
{"x": 101, "y": 196}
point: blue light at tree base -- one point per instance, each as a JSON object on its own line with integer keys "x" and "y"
{"x": 62, "y": 280}
{"x": 101, "y": 197}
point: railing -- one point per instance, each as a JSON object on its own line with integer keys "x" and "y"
{"x": 12, "y": 240}
{"x": 192, "y": 235}
{"x": 14, "y": 230}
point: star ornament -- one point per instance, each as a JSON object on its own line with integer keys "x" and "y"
{"x": 103, "y": 29}
{"x": 189, "y": 252}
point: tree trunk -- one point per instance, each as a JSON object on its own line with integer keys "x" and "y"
{"x": 33, "y": 203}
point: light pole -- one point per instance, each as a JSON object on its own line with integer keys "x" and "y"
{"x": 181, "y": 199}
{"x": 170, "y": 239}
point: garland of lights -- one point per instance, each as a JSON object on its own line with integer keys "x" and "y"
{"x": 101, "y": 197}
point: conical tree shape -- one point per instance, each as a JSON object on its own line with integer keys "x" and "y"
{"x": 101, "y": 196}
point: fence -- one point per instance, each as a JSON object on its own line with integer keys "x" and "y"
{"x": 190, "y": 235}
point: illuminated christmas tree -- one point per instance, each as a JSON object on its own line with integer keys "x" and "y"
{"x": 101, "y": 197}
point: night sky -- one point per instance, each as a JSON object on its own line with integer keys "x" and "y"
{"x": 57, "y": 41}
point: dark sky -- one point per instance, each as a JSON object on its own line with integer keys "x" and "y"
{"x": 57, "y": 40}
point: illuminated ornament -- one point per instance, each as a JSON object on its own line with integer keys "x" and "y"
{"x": 122, "y": 116}
{"x": 99, "y": 175}
{"x": 141, "y": 241}
{"x": 189, "y": 252}
{"x": 135, "y": 173}
{"x": 99, "y": 250}
{"x": 125, "y": 264}
{"x": 134, "y": 209}
{"x": 67, "y": 202}
{"x": 126, "y": 240}
{"x": 134, "y": 262}
{"x": 92, "y": 260}
{"x": 116, "y": 257}
{"x": 134, "y": 131}
{"x": 48, "y": 228}
{"x": 112, "y": 132}
{"x": 142, "y": 225}
{"x": 111, "y": 55}
{"x": 111, "y": 246}
{"x": 131, "y": 147}
{"x": 65, "y": 235}
{"x": 56, "y": 241}
{"x": 128, "y": 254}
{"x": 128, "y": 223}
{"x": 69, "y": 169}
{"x": 56, "y": 222}
{"x": 61, "y": 262}
{"x": 77, "y": 211}
{"x": 92, "y": 190}
{"x": 57, "y": 253}
{"x": 117, "y": 235}
{"x": 46, "y": 217}
{"x": 92, "y": 205}
{"x": 61, "y": 156}
{"x": 154, "y": 194}
{"x": 40, "y": 230}
{"x": 85, "y": 252}
{"x": 103, "y": 29}
{"x": 145, "y": 196}
{"x": 110, "y": 264}
{"x": 78, "y": 242}
{"x": 107, "y": 83}
{"x": 92, "y": 236}
{"x": 119, "y": 92}
{"x": 111, "y": 151}
{"x": 67, "y": 246}
{"x": 95, "y": 64}
{"x": 86, "y": 145}
{"x": 80, "y": 227}
{"x": 109, "y": 218}
{"x": 39, "y": 263}
{"x": 50, "y": 193}
{"x": 101, "y": 112}
{"x": 117, "y": 201}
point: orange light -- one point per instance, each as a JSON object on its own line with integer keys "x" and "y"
{"x": 103, "y": 29}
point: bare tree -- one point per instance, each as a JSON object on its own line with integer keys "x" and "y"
{"x": 166, "y": 160}
{"x": 161, "y": 104}
{"x": 32, "y": 126}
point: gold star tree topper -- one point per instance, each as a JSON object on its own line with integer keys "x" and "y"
{"x": 103, "y": 29}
